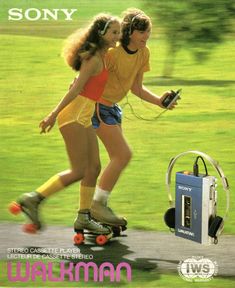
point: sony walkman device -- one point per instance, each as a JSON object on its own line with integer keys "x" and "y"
{"x": 171, "y": 98}
{"x": 194, "y": 215}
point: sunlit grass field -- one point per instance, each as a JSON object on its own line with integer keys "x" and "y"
{"x": 34, "y": 77}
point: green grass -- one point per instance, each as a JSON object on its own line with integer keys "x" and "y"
{"x": 33, "y": 78}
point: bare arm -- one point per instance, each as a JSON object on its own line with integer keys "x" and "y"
{"x": 142, "y": 92}
{"x": 88, "y": 68}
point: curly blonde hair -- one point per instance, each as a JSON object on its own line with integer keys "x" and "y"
{"x": 84, "y": 43}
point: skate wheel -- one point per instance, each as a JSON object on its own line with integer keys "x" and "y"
{"x": 101, "y": 239}
{"x": 15, "y": 208}
{"x": 30, "y": 228}
{"x": 78, "y": 238}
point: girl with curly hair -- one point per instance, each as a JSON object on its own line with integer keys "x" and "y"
{"x": 84, "y": 52}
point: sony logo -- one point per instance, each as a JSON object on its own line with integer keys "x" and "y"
{"x": 34, "y": 14}
{"x": 184, "y": 188}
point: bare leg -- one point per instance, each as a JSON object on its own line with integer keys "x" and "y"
{"x": 87, "y": 189}
{"x": 88, "y": 183}
{"x": 93, "y": 168}
{"x": 76, "y": 141}
{"x": 119, "y": 154}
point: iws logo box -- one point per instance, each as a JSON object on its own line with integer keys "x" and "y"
{"x": 197, "y": 269}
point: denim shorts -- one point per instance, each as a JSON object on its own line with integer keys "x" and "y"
{"x": 110, "y": 115}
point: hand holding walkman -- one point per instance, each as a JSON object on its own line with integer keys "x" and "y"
{"x": 173, "y": 97}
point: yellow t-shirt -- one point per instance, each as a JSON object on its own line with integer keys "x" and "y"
{"x": 123, "y": 68}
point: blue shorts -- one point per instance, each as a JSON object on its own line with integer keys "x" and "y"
{"x": 110, "y": 115}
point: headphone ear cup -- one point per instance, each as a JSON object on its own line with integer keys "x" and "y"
{"x": 101, "y": 32}
{"x": 216, "y": 226}
{"x": 169, "y": 218}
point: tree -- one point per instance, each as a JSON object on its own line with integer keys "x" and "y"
{"x": 198, "y": 25}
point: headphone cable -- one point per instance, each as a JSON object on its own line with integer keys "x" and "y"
{"x": 131, "y": 107}
{"x": 196, "y": 168}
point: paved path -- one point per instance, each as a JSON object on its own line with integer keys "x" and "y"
{"x": 143, "y": 250}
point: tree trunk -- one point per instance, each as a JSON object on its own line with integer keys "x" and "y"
{"x": 169, "y": 62}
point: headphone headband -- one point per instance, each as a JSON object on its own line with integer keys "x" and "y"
{"x": 102, "y": 32}
{"x": 213, "y": 162}
{"x": 132, "y": 20}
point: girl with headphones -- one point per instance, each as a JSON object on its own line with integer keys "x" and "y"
{"x": 126, "y": 64}
{"x": 85, "y": 52}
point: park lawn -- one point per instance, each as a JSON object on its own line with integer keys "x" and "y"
{"x": 34, "y": 78}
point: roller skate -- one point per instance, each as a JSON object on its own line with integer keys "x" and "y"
{"x": 28, "y": 204}
{"x": 85, "y": 225}
{"x": 103, "y": 214}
